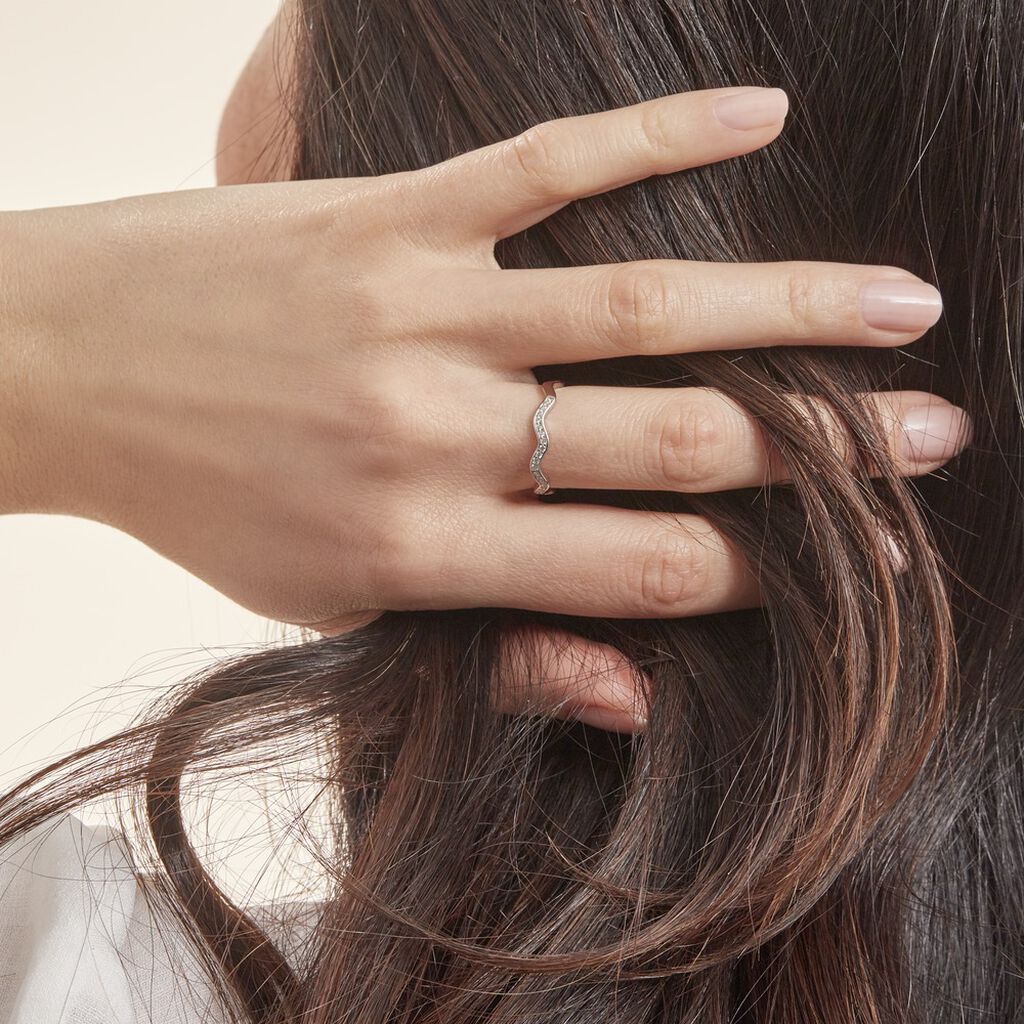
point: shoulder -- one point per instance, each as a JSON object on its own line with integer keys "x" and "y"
{"x": 78, "y": 941}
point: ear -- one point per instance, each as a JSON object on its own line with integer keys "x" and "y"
{"x": 256, "y": 139}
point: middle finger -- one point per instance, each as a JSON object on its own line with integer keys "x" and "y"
{"x": 514, "y": 319}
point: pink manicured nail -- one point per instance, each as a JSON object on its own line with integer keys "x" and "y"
{"x": 934, "y": 433}
{"x": 895, "y": 551}
{"x": 900, "y": 305}
{"x": 612, "y": 719}
{"x": 755, "y": 108}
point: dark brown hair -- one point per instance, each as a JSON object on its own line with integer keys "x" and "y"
{"x": 822, "y": 821}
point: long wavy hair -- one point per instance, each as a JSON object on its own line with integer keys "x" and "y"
{"x": 822, "y": 820}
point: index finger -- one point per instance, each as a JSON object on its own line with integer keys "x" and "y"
{"x": 503, "y": 188}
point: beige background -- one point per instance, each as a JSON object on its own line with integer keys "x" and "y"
{"x": 102, "y": 99}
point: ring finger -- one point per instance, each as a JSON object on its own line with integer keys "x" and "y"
{"x": 684, "y": 439}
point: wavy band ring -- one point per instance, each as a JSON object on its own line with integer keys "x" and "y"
{"x": 543, "y": 440}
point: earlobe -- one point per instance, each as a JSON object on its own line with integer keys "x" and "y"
{"x": 256, "y": 139}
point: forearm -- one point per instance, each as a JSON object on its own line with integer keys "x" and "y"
{"x": 44, "y": 309}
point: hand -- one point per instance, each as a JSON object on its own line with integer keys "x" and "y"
{"x": 317, "y": 396}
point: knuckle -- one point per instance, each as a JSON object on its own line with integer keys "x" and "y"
{"x": 670, "y": 574}
{"x": 356, "y": 215}
{"x": 637, "y": 305}
{"x": 537, "y": 159}
{"x": 686, "y": 446}
{"x": 389, "y": 424}
{"x": 397, "y": 432}
{"x": 800, "y": 306}
{"x": 816, "y": 304}
{"x": 405, "y": 569}
{"x": 656, "y": 129}
{"x": 369, "y": 306}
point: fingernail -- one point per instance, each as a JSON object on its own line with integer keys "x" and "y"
{"x": 900, "y": 305}
{"x": 755, "y": 108}
{"x": 612, "y": 719}
{"x": 934, "y": 433}
{"x": 895, "y": 551}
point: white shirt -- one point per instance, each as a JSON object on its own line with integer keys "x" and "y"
{"x": 80, "y": 945}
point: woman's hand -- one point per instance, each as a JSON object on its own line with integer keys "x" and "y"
{"x": 317, "y": 396}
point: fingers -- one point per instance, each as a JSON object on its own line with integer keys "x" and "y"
{"x": 684, "y": 439}
{"x": 551, "y": 671}
{"x": 522, "y": 318}
{"x": 503, "y": 188}
{"x": 576, "y": 559}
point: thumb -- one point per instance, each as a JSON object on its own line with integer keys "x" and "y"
{"x": 552, "y": 671}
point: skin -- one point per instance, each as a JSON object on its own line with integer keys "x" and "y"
{"x": 233, "y": 377}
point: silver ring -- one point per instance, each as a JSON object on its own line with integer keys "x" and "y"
{"x": 543, "y": 487}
